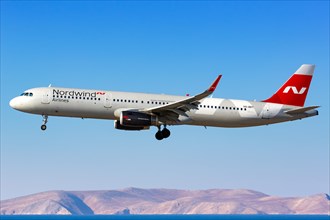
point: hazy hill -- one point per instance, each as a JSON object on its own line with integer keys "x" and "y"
{"x": 164, "y": 201}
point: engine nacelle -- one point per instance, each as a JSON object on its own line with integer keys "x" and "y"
{"x": 137, "y": 119}
{"x": 128, "y": 128}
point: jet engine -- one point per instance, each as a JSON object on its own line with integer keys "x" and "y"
{"x": 130, "y": 120}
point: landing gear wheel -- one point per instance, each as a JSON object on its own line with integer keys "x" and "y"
{"x": 166, "y": 133}
{"x": 159, "y": 135}
{"x": 44, "y": 122}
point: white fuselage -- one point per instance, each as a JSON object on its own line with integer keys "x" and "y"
{"x": 98, "y": 104}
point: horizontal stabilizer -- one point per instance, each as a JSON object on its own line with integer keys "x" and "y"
{"x": 300, "y": 110}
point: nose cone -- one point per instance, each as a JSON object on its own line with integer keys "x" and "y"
{"x": 14, "y": 103}
{"x": 22, "y": 103}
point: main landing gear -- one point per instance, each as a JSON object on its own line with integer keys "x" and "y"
{"x": 44, "y": 122}
{"x": 161, "y": 134}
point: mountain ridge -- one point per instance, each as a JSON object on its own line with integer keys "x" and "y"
{"x": 163, "y": 201}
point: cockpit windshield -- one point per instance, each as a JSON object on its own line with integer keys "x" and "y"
{"x": 27, "y": 94}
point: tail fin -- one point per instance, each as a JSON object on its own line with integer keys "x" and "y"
{"x": 294, "y": 91}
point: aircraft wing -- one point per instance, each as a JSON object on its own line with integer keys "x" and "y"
{"x": 300, "y": 110}
{"x": 172, "y": 111}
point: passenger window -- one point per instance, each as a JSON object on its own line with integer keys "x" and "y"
{"x": 99, "y": 99}
{"x": 234, "y": 108}
{"x": 114, "y": 100}
{"x": 142, "y": 102}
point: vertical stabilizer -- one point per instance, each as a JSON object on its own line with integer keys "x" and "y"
{"x": 294, "y": 91}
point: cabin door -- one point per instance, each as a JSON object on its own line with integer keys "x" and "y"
{"x": 267, "y": 112}
{"x": 108, "y": 100}
{"x": 46, "y": 97}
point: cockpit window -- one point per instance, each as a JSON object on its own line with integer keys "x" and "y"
{"x": 27, "y": 94}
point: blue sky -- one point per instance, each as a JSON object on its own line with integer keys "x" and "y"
{"x": 172, "y": 48}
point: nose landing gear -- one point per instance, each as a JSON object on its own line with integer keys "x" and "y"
{"x": 161, "y": 134}
{"x": 44, "y": 122}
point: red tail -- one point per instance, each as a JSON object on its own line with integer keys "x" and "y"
{"x": 294, "y": 91}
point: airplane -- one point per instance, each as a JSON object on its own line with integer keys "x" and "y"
{"x": 139, "y": 111}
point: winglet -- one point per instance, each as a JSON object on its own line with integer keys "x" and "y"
{"x": 214, "y": 84}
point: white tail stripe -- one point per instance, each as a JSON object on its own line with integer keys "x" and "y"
{"x": 305, "y": 69}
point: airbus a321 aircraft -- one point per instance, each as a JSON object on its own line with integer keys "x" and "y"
{"x": 140, "y": 111}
